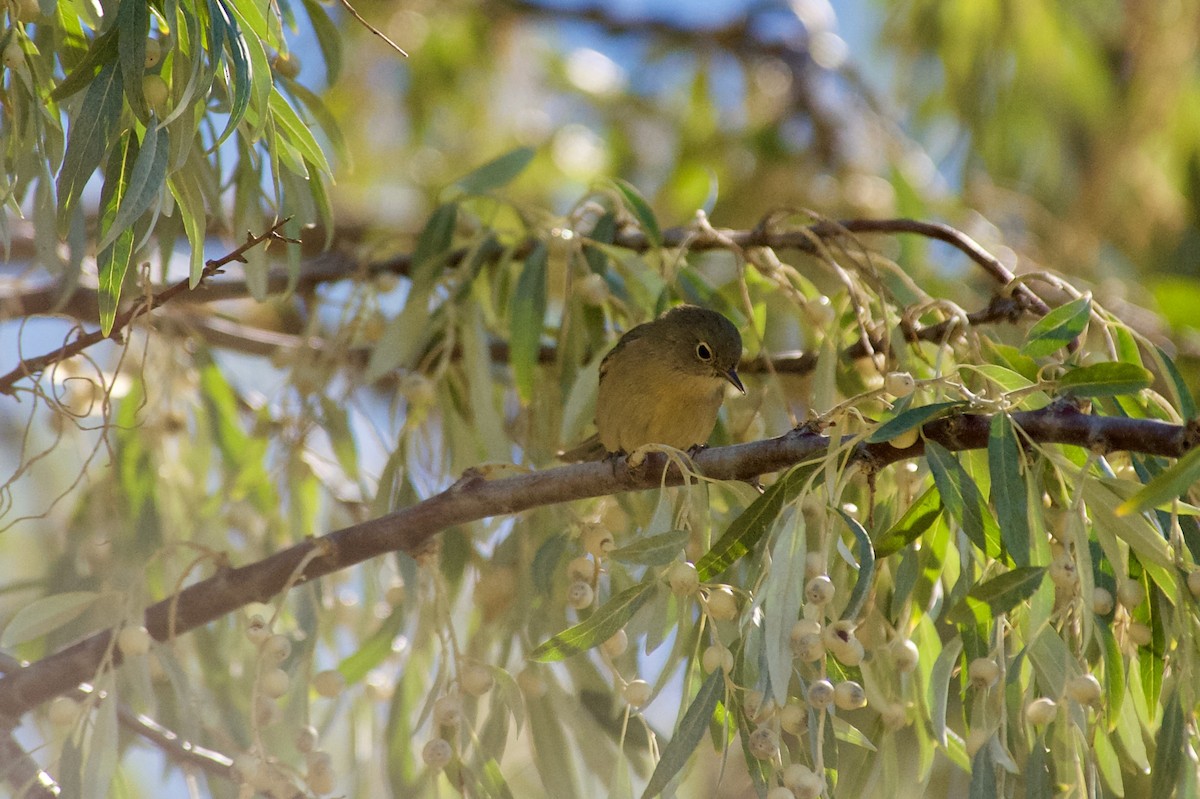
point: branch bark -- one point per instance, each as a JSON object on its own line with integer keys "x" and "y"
{"x": 32, "y": 366}
{"x": 474, "y": 497}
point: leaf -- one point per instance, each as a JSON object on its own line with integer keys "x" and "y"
{"x": 781, "y": 594}
{"x": 112, "y": 262}
{"x": 433, "y": 245}
{"x": 983, "y": 775}
{"x": 373, "y": 651}
{"x": 102, "y": 52}
{"x": 1007, "y": 379}
{"x": 145, "y": 183}
{"x": 913, "y": 417}
{"x": 101, "y": 753}
{"x": 641, "y": 209}
{"x": 1170, "y": 741}
{"x": 1172, "y": 483}
{"x": 89, "y": 139}
{"x": 497, "y": 172}
{"x": 1058, "y": 328}
{"x": 1005, "y": 591}
{"x": 919, "y": 517}
{"x": 1038, "y": 780}
{"x": 224, "y": 26}
{"x": 1008, "y": 488}
{"x": 746, "y": 530}
{"x": 597, "y": 628}
{"x": 133, "y": 25}
{"x": 403, "y": 338}
{"x": 46, "y": 615}
{"x": 691, "y": 730}
{"x": 654, "y": 550}
{"x": 329, "y": 39}
{"x": 866, "y": 568}
{"x": 939, "y": 686}
{"x": 189, "y": 202}
{"x": 962, "y": 498}
{"x": 1105, "y": 380}
{"x": 527, "y": 317}
{"x": 336, "y": 421}
{"x": 1187, "y": 405}
{"x": 298, "y": 132}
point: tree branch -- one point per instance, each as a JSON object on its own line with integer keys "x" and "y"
{"x": 178, "y": 750}
{"x": 22, "y": 772}
{"x": 32, "y": 366}
{"x": 475, "y": 497}
{"x": 336, "y": 266}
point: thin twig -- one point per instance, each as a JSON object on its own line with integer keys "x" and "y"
{"x": 29, "y": 367}
{"x": 354, "y": 13}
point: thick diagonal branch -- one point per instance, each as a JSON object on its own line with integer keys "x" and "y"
{"x": 473, "y": 498}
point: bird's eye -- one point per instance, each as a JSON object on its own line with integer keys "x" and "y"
{"x": 704, "y": 352}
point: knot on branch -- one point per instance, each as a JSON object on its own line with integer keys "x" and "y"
{"x": 1191, "y": 434}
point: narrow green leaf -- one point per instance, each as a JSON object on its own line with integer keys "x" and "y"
{"x": 962, "y": 498}
{"x": 1052, "y": 661}
{"x": 497, "y": 172}
{"x": 329, "y": 39}
{"x": 225, "y": 28}
{"x": 1011, "y": 357}
{"x": 692, "y": 727}
{"x": 1105, "y": 380}
{"x": 189, "y": 204}
{"x": 42, "y": 616}
{"x": 782, "y": 599}
{"x": 919, "y": 517}
{"x": 866, "y": 568}
{"x": 133, "y": 26}
{"x": 112, "y": 262}
{"x": 1114, "y": 671}
{"x": 939, "y": 686}
{"x": 373, "y": 651}
{"x": 1172, "y": 483}
{"x": 1108, "y": 762}
{"x": 336, "y": 420}
{"x": 597, "y": 628}
{"x": 1007, "y": 379}
{"x": 1058, "y": 328}
{"x": 145, "y": 183}
{"x": 1037, "y": 771}
{"x": 102, "y": 52}
{"x": 433, "y": 245}
{"x": 298, "y": 132}
{"x": 404, "y": 337}
{"x": 746, "y": 530}
{"x": 259, "y": 73}
{"x": 90, "y": 137}
{"x": 1005, "y": 591}
{"x": 1187, "y": 405}
{"x": 983, "y": 775}
{"x": 1169, "y": 745}
{"x": 654, "y": 550}
{"x": 1009, "y": 497}
{"x": 528, "y": 314}
{"x": 553, "y": 755}
{"x": 641, "y": 209}
{"x": 913, "y": 417}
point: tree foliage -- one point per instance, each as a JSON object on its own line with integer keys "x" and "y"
{"x": 946, "y": 545}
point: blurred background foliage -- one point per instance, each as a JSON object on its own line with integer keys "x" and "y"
{"x": 1061, "y": 135}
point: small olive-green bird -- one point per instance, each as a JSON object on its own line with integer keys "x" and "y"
{"x": 663, "y": 383}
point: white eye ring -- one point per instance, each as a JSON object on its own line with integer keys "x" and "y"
{"x": 704, "y": 352}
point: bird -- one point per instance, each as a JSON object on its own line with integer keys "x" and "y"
{"x": 663, "y": 383}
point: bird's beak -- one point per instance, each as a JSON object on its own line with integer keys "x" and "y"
{"x": 732, "y": 377}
